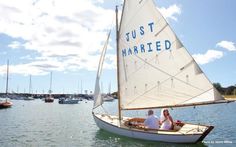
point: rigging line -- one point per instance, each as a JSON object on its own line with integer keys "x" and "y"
{"x": 174, "y": 91}
{"x": 166, "y": 95}
{"x": 104, "y": 109}
{"x": 196, "y": 95}
{"x": 161, "y": 30}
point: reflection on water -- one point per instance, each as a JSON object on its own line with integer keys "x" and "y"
{"x": 35, "y": 123}
{"x": 109, "y": 139}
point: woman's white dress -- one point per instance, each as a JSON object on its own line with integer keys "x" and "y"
{"x": 166, "y": 125}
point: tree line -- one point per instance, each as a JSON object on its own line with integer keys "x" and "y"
{"x": 231, "y": 90}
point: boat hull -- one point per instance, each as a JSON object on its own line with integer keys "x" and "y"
{"x": 70, "y": 101}
{"x": 29, "y": 98}
{"x": 49, "y": 100}
{"x": 160, "y": 135}
{"x": 6, "y": 104}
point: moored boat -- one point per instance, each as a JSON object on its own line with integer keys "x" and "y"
{"x": 68, "y": 101}
{"x": 28, "y": 98}
{"x": 49, "y": 98}
{"x": 5, "y": 104}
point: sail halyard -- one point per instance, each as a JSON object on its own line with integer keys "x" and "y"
{"x": 169, "y": 77}
{"x": 98, "y": 100}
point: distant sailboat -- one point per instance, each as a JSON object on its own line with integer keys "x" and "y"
{"x": 154, "y": 70}
{"x": 6, "y": 103}
{"x": 49, "y": 98}
{"x": 30, "y": 97}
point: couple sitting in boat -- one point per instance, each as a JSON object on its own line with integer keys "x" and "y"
{"x": 165, "y": 122}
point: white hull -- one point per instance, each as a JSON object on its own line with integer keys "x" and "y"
{"x": 189, "y": 133}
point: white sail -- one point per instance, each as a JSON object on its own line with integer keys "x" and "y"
{"x": 98, "y": 100}
{"x": 155, "y": 69}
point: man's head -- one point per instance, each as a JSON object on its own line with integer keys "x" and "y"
{"x": 150, "y": 112}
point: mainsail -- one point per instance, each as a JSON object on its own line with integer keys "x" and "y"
{"x": 98, "y": 100}
{"x": 155, "y": 68}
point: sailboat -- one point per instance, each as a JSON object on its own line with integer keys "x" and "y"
{"x": 30, "y": 97}
{"x": 49, "y": 98}
{"x": 154, "y": 71}
{"x": 6, "y": 103}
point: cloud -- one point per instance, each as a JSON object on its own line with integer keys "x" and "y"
{"x": 171, "y": 12}
{"x": 67, "y": 35}
{"x": 209, "y": 56}
{"x": 15, "y": 44}
{"x": 63, "y": 35}
{"x": 228, "y": 45}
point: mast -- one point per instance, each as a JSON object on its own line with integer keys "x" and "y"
{"x": 7, "y": 77}
{"x": 81, "y": 87}
{"x": 50, "y": 84}
{"x": 109, "y": 88}
{"x": 30, "y": 85}
{"x": 117, "y": 53}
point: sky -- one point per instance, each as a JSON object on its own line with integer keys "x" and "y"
{"x": 66, "y": 37}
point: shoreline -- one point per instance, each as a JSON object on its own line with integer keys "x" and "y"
{"x": 230, "y": 97}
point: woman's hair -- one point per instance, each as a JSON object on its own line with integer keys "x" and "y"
{"x": 162, "y": 117}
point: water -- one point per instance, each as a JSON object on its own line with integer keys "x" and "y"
{"x": 35, "y": 123}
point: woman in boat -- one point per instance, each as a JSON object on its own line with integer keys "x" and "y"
{"x": 152, "y": 121}
{"x": 166, "y": 120}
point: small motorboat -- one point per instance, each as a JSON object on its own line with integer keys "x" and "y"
{"x": 68, "y": 101}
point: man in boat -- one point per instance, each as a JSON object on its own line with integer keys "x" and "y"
{"x": 152, "y": 121}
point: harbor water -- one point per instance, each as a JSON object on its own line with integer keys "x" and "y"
{"x": 35, "y": 123}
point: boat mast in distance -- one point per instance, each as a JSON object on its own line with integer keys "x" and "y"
{"x": 7, "y": 77}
